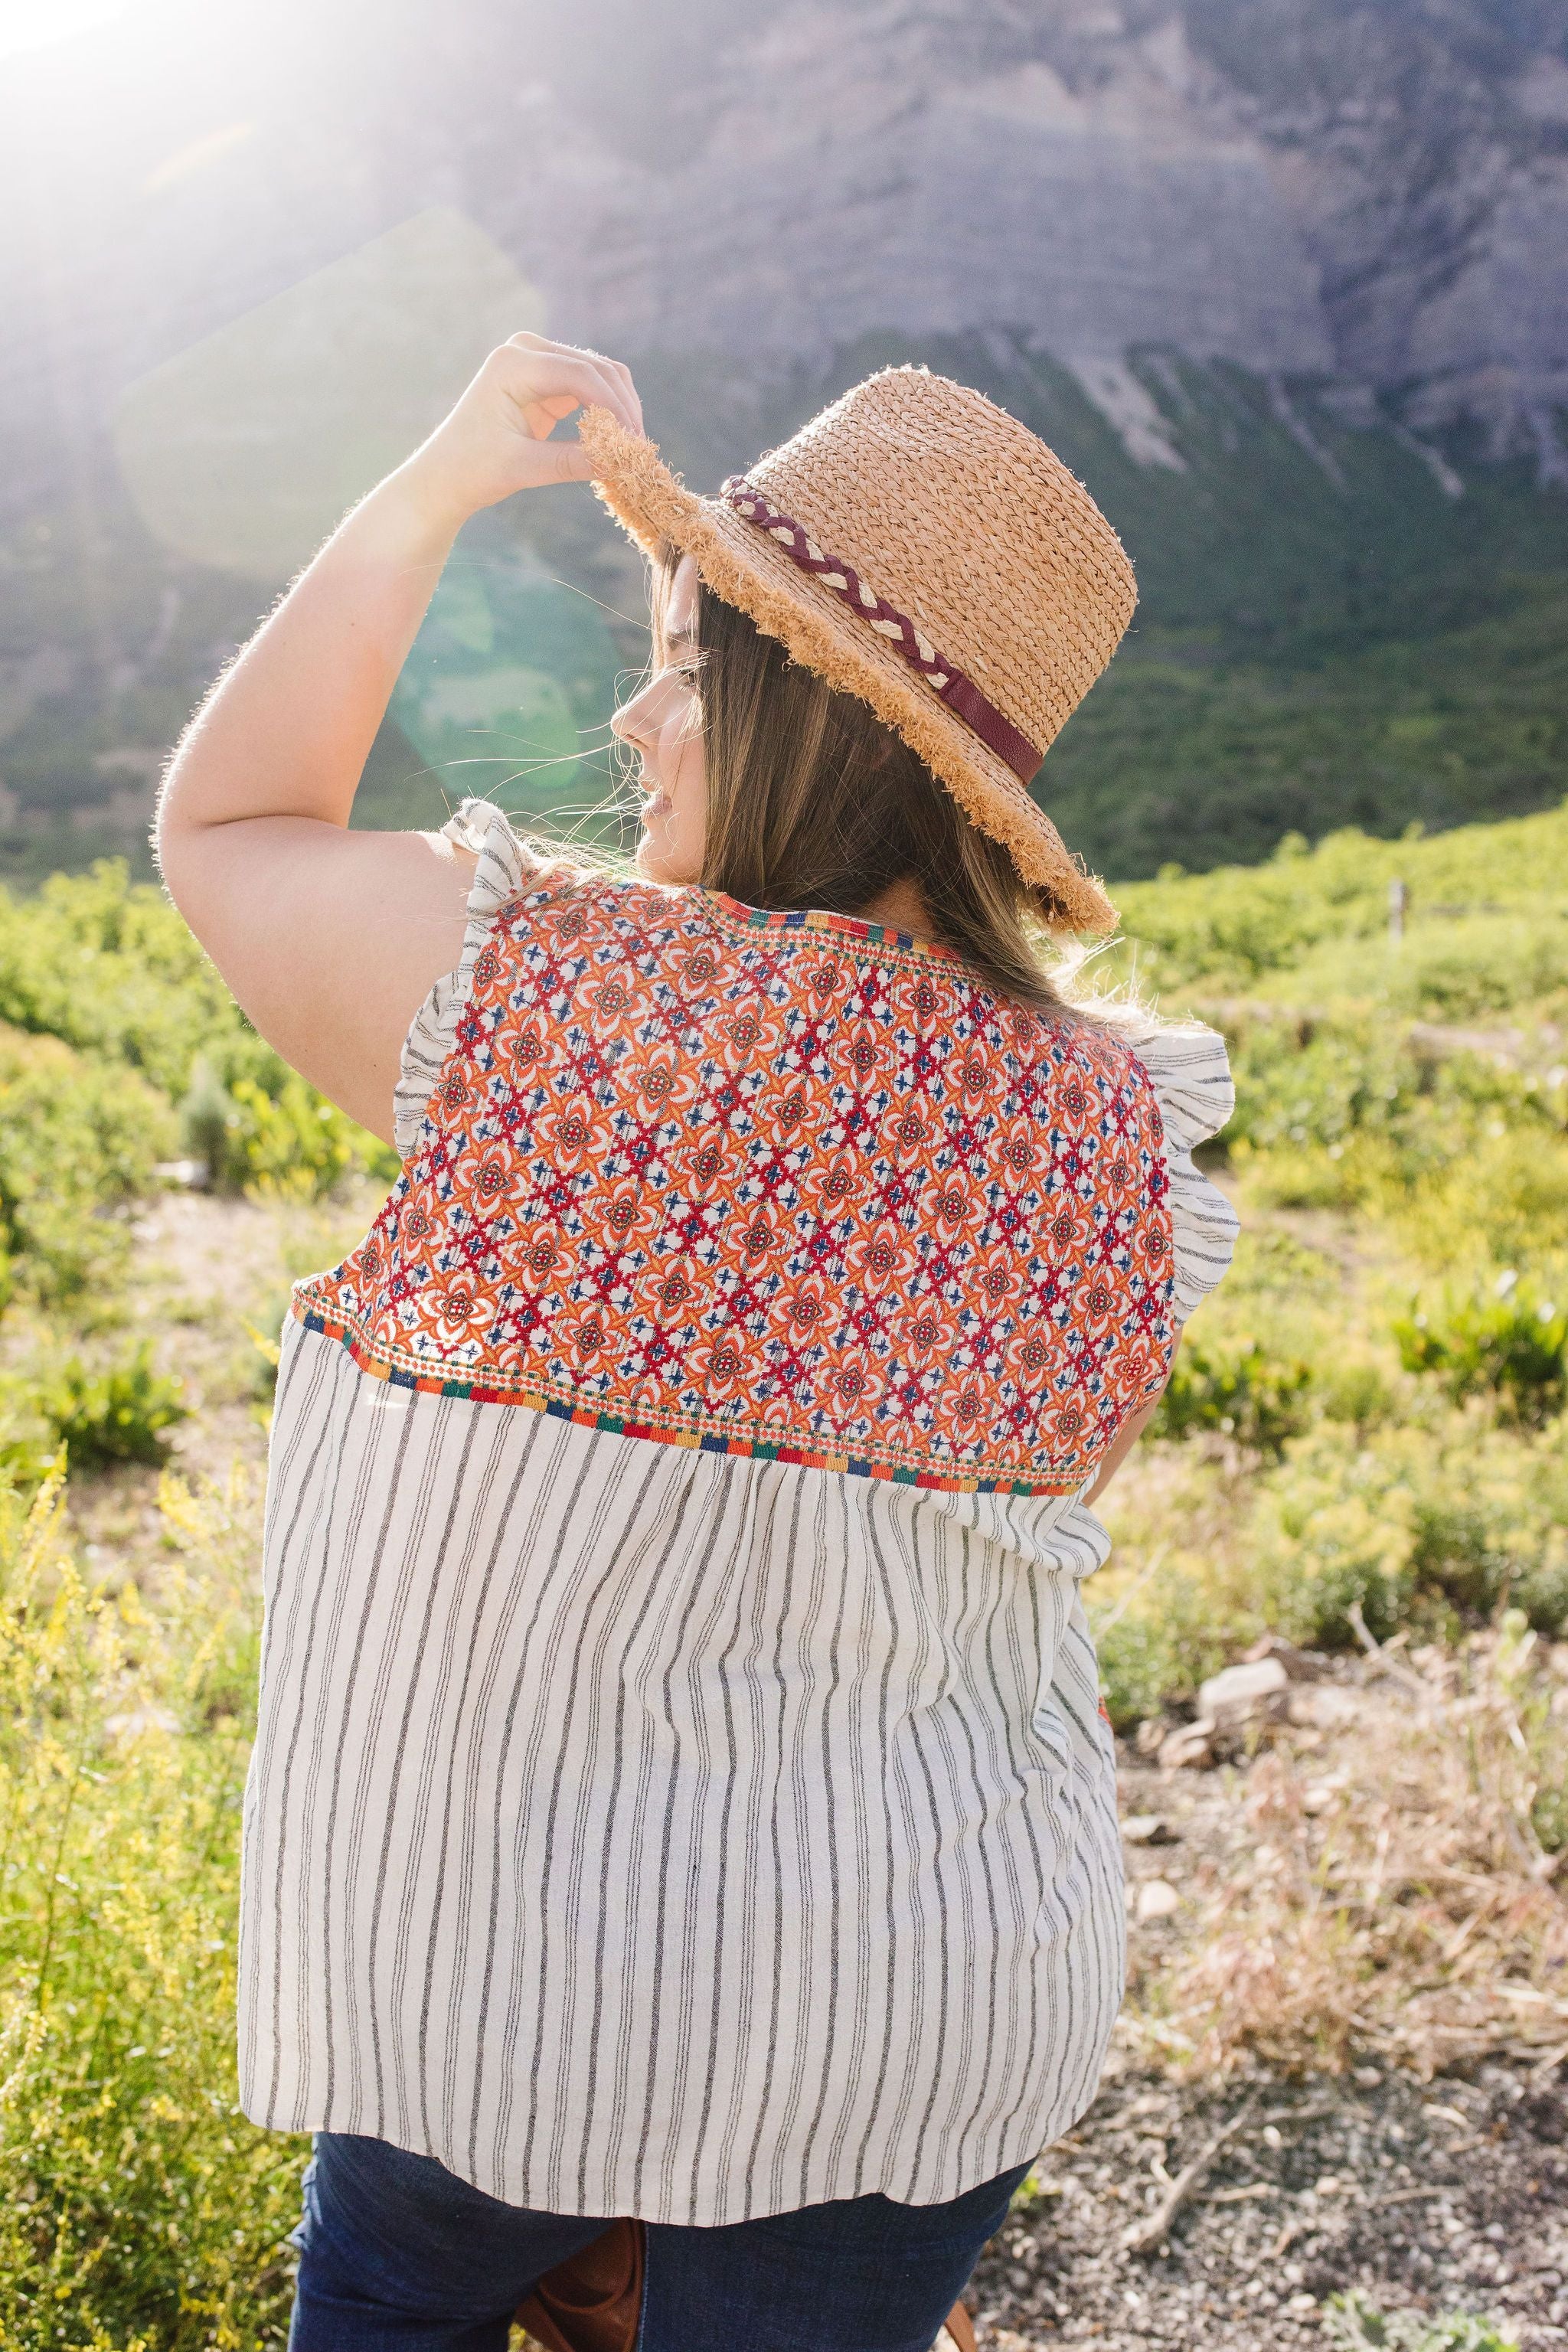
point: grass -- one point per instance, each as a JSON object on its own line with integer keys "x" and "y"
{"x": 138, "y": 2209}
{"x": 1369, "y": 1410}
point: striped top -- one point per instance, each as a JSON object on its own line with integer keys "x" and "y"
{"x": 677, "y": 1803}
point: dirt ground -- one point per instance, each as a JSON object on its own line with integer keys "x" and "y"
{"x": 1432, "y": 2197}
{"x": 1437, "y": 2193}
{"x": 211, "y": 1278}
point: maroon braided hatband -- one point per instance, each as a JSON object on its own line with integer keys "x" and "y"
{"x": 960, "y": 693}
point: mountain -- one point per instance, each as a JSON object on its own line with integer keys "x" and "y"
{"x": 1285, "y": 280}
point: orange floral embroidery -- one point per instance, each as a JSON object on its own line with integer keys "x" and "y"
{"x": 774, "y": 1185}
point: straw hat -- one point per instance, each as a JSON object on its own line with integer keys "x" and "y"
{"x": 920, "y": 548}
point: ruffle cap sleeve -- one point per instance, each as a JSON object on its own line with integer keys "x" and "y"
{"x": 505, "y": 865}
{"x": 1189, "y": 1070}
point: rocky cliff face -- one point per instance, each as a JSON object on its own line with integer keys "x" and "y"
{"x": 1377, "y": 192}
{"x": 931, "y": 170}
{"x": 1371, "y": 190}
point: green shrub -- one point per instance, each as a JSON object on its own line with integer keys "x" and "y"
{"x": 1456, "y": 1552}
{"x": 1346, "y": 1110}
{"x": 1420, "y": 1524}
{"x": 1330, "y": 1527}
{"x": 1539, "y": 1588}
{"x": 138, "y": 2211}
{"x": 1354, "y": 1392}
{"x": 1417, "y": 1521}
{"x": 1317, "y": 919}
{"x": 260, "y": 1129}
{"x": 1314, "y": 1083}
{"x": 1241, "y": 1393}
{"x": 78, "y": 1140}
{"x": 1162, "y": 1641}
{"x": 1502, "y": 1197}
{"x": 1317, "y": 1612}
{"x": 1537, "y": 1730}
{"x": 29, "y": 1449}
{"x": 1508, "y": 1342}
{"x": 1479, "y": 968}
{"x": 1352, "y": 2323}
{"x": 112, "y": 987}
{"x": 1548, "y": 1817}
{"x": 294, "y": 1144}
{"x": 106, "y": 964}
{"x": 1338, "y": 1176}
{"x": 208, "y": 1116}
{"x": 119, "y": 1413}
{"x": 1138, "y": 1668}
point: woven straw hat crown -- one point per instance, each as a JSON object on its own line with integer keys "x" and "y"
{"x": 919, "y": 548}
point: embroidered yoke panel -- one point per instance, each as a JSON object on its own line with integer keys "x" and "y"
{"x": 783, "y": 1185}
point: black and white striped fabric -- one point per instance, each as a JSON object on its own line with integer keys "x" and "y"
{"x": 1190, "y": 1078}
{"x": 640, "y": 1829}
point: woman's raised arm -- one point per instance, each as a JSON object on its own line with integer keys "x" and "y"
{"x": 330, "y": 940}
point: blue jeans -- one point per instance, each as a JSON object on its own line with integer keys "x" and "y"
{"x": 394, "y": 2251}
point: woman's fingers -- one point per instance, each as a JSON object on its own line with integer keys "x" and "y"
{"x": 592, "y": 380}
{"x": 572, "y": 463}
{"x": 557, "y": 403}
{"x": 500, "y": 437}
{"x": 543, "y": 416}
{"x": 583, "y": 383}
{"x": 630, "y": 414}
{"x": 626, "y": 375}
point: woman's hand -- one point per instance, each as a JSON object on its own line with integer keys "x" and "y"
{"x": 497, "y": 440}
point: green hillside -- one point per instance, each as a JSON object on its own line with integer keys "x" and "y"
{"x": 1337, "y": 626}
{"x": 1177, "y": 760}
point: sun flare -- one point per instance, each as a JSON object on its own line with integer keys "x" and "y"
{"x": 36, "y": 24}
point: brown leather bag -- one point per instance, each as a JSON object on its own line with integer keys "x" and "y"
{"x": 593, "y": 2301}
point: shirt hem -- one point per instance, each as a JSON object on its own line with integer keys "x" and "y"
{"x": 700, "y": 2211}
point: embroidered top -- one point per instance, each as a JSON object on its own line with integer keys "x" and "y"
{"x": 679, "y": 1787}
{"x": 773, "y": 1186}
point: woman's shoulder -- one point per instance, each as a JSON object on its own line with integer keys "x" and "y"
{"x": 1184, "y": 1063}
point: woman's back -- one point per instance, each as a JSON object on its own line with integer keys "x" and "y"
{"x": 767, "y": 1183}
{"x": 663, "y": 1826}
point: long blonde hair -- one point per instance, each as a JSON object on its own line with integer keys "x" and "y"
{"x": 813, "y": 801}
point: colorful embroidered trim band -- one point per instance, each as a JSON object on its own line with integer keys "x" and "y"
{"x": 960, "y": 693}
{"x": 747, "y": 1446}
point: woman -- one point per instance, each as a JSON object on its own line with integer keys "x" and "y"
{"x": 679, "y": 1790}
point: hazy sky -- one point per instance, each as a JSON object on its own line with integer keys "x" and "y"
{"x": 31, "y": 24}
